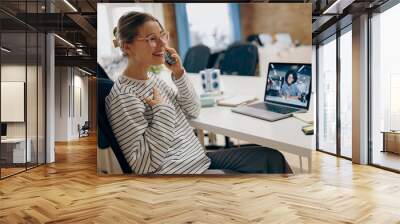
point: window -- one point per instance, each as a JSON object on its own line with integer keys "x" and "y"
{"x": 385, "y": 86}
{"x": 210, "y": 24}
{"x": 327, "y": 96}
{"x": 346, "y": 94}
{"x": 335, "y": 94}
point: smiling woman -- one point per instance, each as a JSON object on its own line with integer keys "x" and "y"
{"x": 149, "y": 118}
{"x": 144, "y": 112}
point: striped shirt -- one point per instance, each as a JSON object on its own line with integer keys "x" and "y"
{"x": 156, "y": 139}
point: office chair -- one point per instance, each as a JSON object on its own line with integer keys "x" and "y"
{"x": 101, "y": 73}
{"x": 84, "y": 129}
{"x": 105, "y": 135}
{"x": 254, "y": 38}
{"x": 240, "y": 59}
{"x": 196, "y": 59}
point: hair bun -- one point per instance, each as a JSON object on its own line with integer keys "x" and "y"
{"x": 115, "y": 40}
{"x": 116, "y": 43}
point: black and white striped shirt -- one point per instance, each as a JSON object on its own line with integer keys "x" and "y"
{"x": 158, "y": 139}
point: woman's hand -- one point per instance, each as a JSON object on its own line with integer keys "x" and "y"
{"x": 156, "y": 98}
{"x": 177, "y": 68}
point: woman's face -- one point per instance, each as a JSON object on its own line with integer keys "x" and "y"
{"x": 147, "y": 48}
{"x": 290, "y": 79}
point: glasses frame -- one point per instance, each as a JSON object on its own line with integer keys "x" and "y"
{"x": 159, "y": 38}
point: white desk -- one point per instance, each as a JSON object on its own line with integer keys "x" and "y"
{"x": 283, "y": 135}
{"x": 18, "y": 149}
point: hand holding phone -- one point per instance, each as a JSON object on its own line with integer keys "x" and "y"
{"x": 173, "y": 62}
{"x": 169, "y": 59}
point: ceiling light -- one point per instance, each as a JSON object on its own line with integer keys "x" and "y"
{"x": 65, "y": 41}
{"x": 5, "y": 50}
{"x": 338, "y": 6}
{"x": 84, "y": 71}
{"x": 70, "y": 5}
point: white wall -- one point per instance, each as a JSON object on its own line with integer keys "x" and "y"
{"x": 67, "y": 116}
{"x": 17, "y": 73}
{"x": 61, "y": 103}
{"x": 33, "y": 126}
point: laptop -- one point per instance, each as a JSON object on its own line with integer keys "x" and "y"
{"x": 287, "y": 91}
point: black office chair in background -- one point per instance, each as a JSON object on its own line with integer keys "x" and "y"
{"x": 84, "y": 129}
{"x": 196, "y": 59}
{"x": 105, "y": 135}
{"x": 255, "y": 38}
{"x": 240, "y": 59}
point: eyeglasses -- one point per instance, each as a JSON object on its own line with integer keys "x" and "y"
{"x": 153, "y": 39}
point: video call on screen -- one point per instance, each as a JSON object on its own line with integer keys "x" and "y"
{"x": 288, "y": 83}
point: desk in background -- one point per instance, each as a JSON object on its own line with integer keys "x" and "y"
{"x": 13, "y": 151}
{"x": 391, "y": 141}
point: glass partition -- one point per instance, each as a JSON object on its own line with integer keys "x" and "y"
{"x": 22, "y": 88}
{"x": 327, "y": 96}
{"x": 13, "y": 105}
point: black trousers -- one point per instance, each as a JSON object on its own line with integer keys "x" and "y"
{"x": 254, "y": 159}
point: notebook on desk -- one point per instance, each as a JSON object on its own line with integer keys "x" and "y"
{"x": 236, "y": 101}
{"x": 305, "y": 117}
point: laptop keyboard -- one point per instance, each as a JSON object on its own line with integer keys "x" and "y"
{"x": 275, "y": 108}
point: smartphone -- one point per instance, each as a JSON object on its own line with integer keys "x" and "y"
{"x": 169, "y": 59}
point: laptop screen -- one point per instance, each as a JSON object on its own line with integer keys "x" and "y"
{"x": 289, "y": 84}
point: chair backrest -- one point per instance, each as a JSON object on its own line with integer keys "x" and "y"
{"x": 240, "y": 59}
{"x": 85, "y": 126}
{"x": 101, "y": 73}
{"x": 105, "y": 135}
{"x": 254, "y": 38}
{"x": 196, "y": 59}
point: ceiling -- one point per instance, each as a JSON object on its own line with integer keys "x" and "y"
{"x": 331, "y": 15}
{"x": 76, "y": 23}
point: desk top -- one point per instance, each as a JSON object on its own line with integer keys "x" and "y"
{"x": 283, "y": 134}
{"x": 13, "y": 140}
{"x": 391, "y": 132}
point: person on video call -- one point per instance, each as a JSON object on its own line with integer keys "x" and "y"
{"x": 289, "y": 88}
{"x": 150, "y": 119}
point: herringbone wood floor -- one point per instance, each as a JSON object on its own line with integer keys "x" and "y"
{"x": 70, "y": 191}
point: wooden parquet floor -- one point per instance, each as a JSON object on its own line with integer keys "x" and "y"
{"x": 70, "y": 191}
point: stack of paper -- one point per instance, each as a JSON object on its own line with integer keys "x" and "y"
{"x": 305, "y": 117}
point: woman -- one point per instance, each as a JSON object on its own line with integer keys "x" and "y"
{"x": 290, "y": 89}
{"x": 150, "y": 119}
